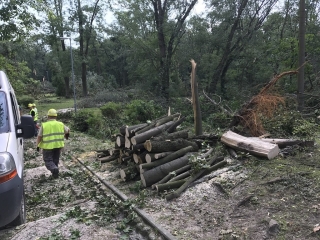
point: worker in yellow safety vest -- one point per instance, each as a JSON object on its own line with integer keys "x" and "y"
{"x": 34, "y": 115}
{"x": 51, "y": 141}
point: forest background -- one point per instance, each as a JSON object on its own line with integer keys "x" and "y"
{"x": 133, "y": 68}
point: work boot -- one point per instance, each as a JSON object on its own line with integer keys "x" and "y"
{"x": 55, "y": 173}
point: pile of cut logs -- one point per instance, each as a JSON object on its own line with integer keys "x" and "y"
{"x": 161, "y": 155}
{"x": 165, "y": 158}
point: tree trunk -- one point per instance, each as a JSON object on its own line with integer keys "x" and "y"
{"x": 255, "y": 147}
{"x": 139, "y": 158}
{"x": 150, "y": 133}
{"x": 109, "y": 158}
{"x": 130, "y": 130}
{"x": 127, "y": 142}
{"x": 156, "y": 174}
{"x": 195, "y": 100}
{"x": 170, "y": 185}
{"x": 171, "y": 136}
{"x": 172, "y": 128}
{"x": 151, "y": 157}
{"x": 168, "y": 146}
{"x": 137, "y": 147}
{"x": 282, "y": 143}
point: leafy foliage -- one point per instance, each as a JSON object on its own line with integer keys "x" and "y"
{"x": 81, "y": 120}
{"x": 141, "y": 111}
{"x": 111, "y": 110}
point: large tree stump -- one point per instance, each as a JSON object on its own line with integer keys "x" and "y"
{"x": 168, "y": 146}
{"x": 253, "y": 146}
{"x": 150, "y": 133}
{"x": 156, "y": 174}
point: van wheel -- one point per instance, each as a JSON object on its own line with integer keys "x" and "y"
{"x": 21, "y": 218}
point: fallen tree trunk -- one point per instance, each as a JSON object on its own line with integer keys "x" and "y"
{"x": 171, "y": 136}
{"x": 255, "y": 147}
{"x": 167, "y": 119}
{"x": 130, "y": 130}
{"x": 151, "y": 157}
{"x": 156, "y": 174}
{"x": 169, "y": 185}
{"x": 168, "y": 146}
{"x": 190, "y": 180}
{"x": 172, "y": 156}
{"x": 150, "y": 133}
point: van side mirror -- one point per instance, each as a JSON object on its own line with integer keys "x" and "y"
{"x": 26, "y": 128}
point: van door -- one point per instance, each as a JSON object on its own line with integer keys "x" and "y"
{"x": 19, "y": 141}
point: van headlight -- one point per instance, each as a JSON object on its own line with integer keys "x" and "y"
{"x": 7, "y": 167}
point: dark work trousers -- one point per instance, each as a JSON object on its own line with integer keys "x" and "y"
{"x": 51, "y": 158}
{"x": 35, "y": 128}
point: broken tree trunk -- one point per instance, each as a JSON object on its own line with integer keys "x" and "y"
{"x": 151, "y": 157}
{"x": 190, "y": 180}
{"x": 255, "y": 147}
{"x": 156, "y": 174}
{"x": 181, "y": 152}
{"x": 150, "y": 133}
{"x": 168, "y": 146}
{"x": 171, "y": 136}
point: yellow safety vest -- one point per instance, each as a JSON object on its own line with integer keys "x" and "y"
{"x": 35, "y": 114}
{"x": 52, "y": 135}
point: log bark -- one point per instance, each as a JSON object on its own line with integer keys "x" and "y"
{"x": 255, "y": 147}
{"x": 150, "y": 133}
{"x": 181, "y": 176}
{"x": 174, "y": 126}
{"x": 195, "y": 100}
{"x": 151, "y": 157}
{"x": 186, "y": 184}
{"x": 130, "y": 130}
{"x": 168, "y": 146}
{"x": 122, "y": 130}
{"x": 109, "y": 158}
{"x": 137, "y": 147}
{"x": 156, "y": 174}
{"x": 170, "y": 185}
{"x": 282, "y": 143}
{"x": 171, "y": 136}
{"x": 172, "y": 156}
{"x": 139, "y": 158}
{"x": 167, "y": 119}
{"x": 154, "y": 123}
{"x": 128, "y": 173}
{"x": 172, "y": 174}
{"x": 120, "y": 141}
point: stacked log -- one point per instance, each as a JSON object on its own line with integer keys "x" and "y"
{"x": 156, "y": 152}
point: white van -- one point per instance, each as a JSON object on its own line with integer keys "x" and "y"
{"x": 13, "y": 128}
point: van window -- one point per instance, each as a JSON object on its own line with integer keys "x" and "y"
{"x": 4, "y": 120}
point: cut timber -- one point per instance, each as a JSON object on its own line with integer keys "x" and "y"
{"x": 167, "y": 119}
{"x": 122, "y": 130}
{"x": 128, "y": 173}
{"x": 282, "y": 143}
{"x": 173, "y": 127}
{"x": 253, "y": 146}
{"x": 177, "y": 193}
{"x": 181, "y": 152}
{"x": 127, "y": 143}
{"x": 130, "y": 130}
{"x": 172, "y": 174}
{"x": 171, "y": 136}
{"x": 156, "y": 174}
{"x": 151, "y": 157}
{"x": 109, "y": 159}
{"x": 137, "y": 147}
{"x": 120, "y": 141}
{"x": 170, "y": 185}
{"x": 150, "y": 133}
{"x": 140, "y": 158}
{"x": 169, "y": 146}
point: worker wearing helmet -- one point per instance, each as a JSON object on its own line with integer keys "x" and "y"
{"x": 51, "y": 141}
{"x": 34, "y": 115}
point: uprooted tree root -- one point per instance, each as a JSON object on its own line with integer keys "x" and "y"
{"x": 263, "y": 104}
